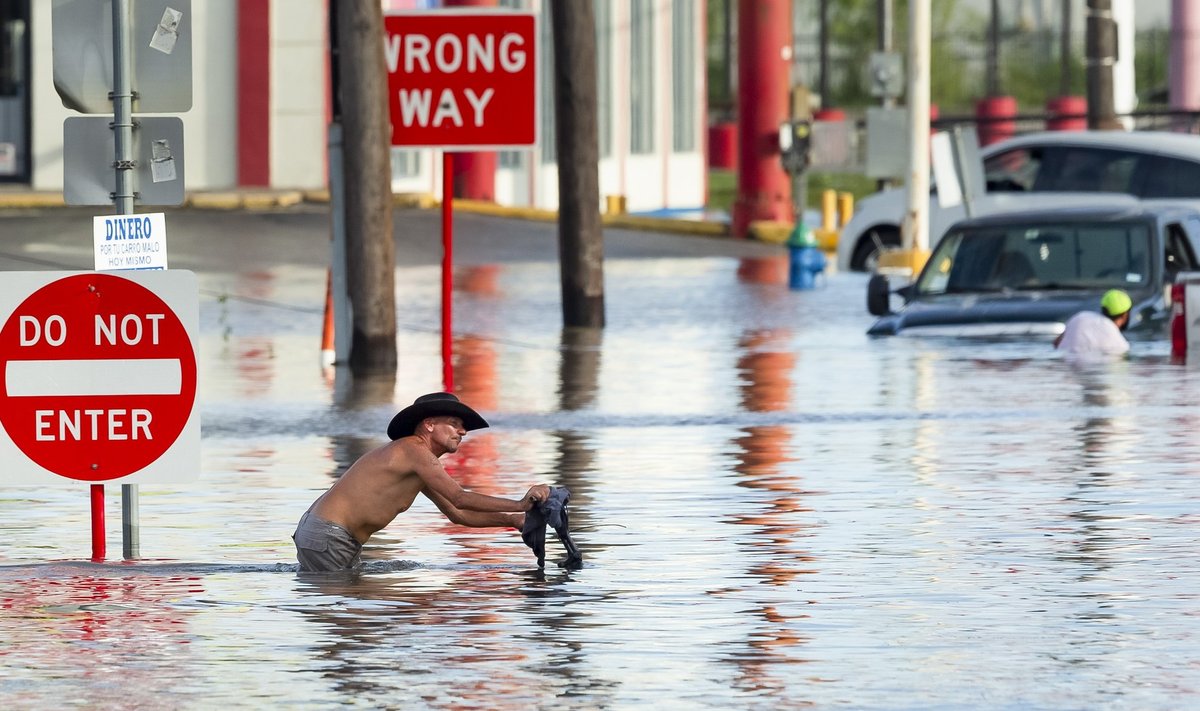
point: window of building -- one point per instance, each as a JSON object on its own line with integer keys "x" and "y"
{"x": 512, "y": 159}
{"x": 604, "y": 91}
{"x": 515, "y": 159}
{"x": 683, "y": 73}
{"x": 641, "y": 76}
{"x": 406, "y": 163}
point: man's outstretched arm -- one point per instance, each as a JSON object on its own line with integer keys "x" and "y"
{"x": 436, "y": 480}
{"x": 475, "y": 519}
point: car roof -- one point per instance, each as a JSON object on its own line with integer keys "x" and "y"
{"x": 1182, "y": 145}
{"x": 1080, "y": 213}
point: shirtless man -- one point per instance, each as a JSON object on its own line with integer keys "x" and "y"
{"x": 384, "y": 482}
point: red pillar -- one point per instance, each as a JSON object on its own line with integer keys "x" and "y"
{"x": 254, "y": 93}
{"x": 999, "y": 113}
{"x": 764, "y": 43}
{"x": 722, "y": 145}
{"x": 1067, "y": 113}
{"x": 475, "y": 173}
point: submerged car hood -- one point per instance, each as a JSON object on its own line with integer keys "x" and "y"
{"x": 987, "y": 314}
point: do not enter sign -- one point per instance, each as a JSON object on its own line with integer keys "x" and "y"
{"x": 99, "y": 376}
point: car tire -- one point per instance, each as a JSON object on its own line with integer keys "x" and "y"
{"x": 872, "y": 243}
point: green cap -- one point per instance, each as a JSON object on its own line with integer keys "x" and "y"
{"x": 1115, "y": 302}
{"x": 801, "y": 236}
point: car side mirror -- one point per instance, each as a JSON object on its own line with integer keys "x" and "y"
{"x": 879, "y": 296}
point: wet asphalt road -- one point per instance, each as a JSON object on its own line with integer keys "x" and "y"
{"x": 211, "y": 241}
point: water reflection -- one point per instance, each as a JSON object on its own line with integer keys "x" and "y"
{"x": 578, "y": 386}
{"x": 764, "y": 463}
{"x": 1106, "y": 440}
{"x": 122, "y": 632}
{"x": 448, "y": 638}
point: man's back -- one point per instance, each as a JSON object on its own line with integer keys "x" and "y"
{"x": 380, "y": 485}
{"x": 1088, "y": 332}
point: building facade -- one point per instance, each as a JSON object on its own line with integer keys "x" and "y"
{"x": 261, "y": 102}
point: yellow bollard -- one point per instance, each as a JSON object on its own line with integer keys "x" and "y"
{"x": 614, "y": 204}
{"x": 829, "y": 210}
{"x": 845, "y": 208}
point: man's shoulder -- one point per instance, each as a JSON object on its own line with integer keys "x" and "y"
{"x": 407, "y": 449}
{"x": 1087, "y": 317}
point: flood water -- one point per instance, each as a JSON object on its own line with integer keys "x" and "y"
{"x": 775, "y": 511}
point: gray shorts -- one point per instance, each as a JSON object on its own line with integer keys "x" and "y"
{"x": 322, "y": 546}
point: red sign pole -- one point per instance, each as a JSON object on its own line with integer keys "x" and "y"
{"x": 98, "y": 544}
{"x": 447, "y": 269}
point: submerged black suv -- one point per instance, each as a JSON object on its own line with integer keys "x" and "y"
{"x": 1026, "y": 273}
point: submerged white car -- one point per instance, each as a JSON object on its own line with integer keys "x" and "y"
{"x": 1034, "y": 171}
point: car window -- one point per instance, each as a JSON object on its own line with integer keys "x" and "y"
{"x": 1178, "y": 253}
{"x": 1172, "y": 178}
{"x": 1042, "y": 256}
{"x": 1191, "y": 227}
{"x": 1087, "y": 169}
{"x": 1013, "y": 171}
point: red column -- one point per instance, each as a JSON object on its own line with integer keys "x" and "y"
{"x": 475, "y": 173}
{"x": 999, "y": 112}
{"x": 764, "y": 42}
{"x": 1067, "y": 113}
{"x": 722, "y": 145}
{"x": 254, "y": 92}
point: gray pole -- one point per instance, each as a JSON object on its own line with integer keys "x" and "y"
{"x": 823, "y": 54}
{"x": 1101, "y": 55}
{"x": 885, "y": 18}
{"x": 1064, "y": 52}
{"x": 993, "y": 52}
{"x": 122, "y": 98}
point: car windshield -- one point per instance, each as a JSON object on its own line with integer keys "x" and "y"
{"x": 1040, "y": 256}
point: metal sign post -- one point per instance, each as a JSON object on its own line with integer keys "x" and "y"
{"x": 150, "y": 71}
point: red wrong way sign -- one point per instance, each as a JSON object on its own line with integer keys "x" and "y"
{"x": 458, "y": 79}
{"x": 99, "y": 377}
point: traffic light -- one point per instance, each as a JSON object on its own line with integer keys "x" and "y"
{"x": 795, "y": 141}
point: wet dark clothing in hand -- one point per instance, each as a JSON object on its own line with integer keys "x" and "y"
{"x": 552, "y": 512}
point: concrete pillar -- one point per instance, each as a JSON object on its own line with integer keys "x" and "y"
{"x": 764, "y": 59}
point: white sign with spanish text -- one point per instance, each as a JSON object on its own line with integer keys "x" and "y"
{"x": 130, "y": 241}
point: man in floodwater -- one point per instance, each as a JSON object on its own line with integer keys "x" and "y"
{"x": 384, "y": 482}
{"x": 1090, "y": 333}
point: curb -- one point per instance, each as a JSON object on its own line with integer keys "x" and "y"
{"x": 763, "y": 231}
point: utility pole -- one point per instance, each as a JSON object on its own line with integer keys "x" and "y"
{"x": 580, "y": 239}
{"x": 1101, "y": 55}
{"x": 370, "y": 250}
{"x": 993, "y": 51}
{"x": 823, "y": 55}
{"x": 1064, "y": 52}
{"x": 915, "y": 229}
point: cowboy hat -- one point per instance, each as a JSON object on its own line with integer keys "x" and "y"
{"x": 432, "y": 405}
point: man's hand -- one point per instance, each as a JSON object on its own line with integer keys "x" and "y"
{"x": 538, "y": 492}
